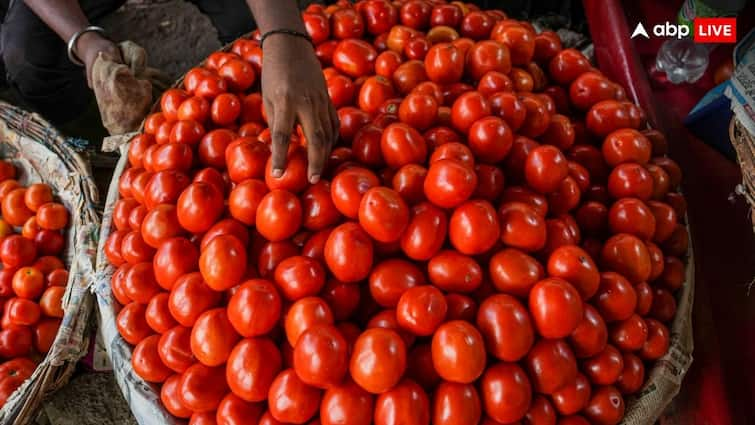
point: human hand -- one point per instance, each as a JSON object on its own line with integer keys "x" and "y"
{"x": 293, "y": 89}
{"x": 90, "y": 45}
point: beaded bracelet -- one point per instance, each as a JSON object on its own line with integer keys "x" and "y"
{"x": 287, "y": 32}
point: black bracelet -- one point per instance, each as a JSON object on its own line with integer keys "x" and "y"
{"x": 286, "y": 31}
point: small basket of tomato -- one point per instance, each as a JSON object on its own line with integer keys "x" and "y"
{"x": 48, "y": 231}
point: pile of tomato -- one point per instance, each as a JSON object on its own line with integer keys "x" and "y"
{"x": 33, "y": 277}
{"x": 498, "y": 237}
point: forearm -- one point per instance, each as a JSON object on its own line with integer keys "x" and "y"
{"x": 65, "y": 17}
{"x": 276, "y": 14}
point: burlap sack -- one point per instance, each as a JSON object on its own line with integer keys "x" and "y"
{"x": 744, "y": 144}
{"x": 124, "y": 91}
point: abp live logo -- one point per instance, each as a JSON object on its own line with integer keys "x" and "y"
{"x": 706, "y": 30}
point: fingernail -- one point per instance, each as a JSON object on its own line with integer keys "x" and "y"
{"x": 277, "y": 172}
{"x": 314, "y": 179}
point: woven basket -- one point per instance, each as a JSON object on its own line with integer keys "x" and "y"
{"x": 643, "y": 408}
{"x": 744, "y": 144}
{"x": 41, "y": 154}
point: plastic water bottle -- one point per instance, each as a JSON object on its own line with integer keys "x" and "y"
{"x": 683, "y": 60}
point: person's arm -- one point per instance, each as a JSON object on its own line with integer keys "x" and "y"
{"x": 66, "y": 18}
{"x": 293, "y": 87}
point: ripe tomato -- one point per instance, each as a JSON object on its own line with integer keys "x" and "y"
{"x": 629, "y": 334}
{"x": 545, "y": 169}
{"x": 292, "y": 401}
{"x": 551, "y": 365}
{"x": 556, "y": 307}
{"x": 346, "y": 23}
{"x": 632, "y": 376}
{"x": 244, "y": 200}
{"x": 223, "y": 262}
{"x": 421, "y": 309}
{"x": 317, "y": 26}
{"x": 354, "y": 58}
{"x": 28, "y": 283}
{"x": 139, "y": 283}
{"x": 606, "y": 406}
{"x": 383, "y": 214}
{"x": 348, "y": 187}
{"x": 199, "y": 207}
{"x": 567, "y": 65}
{"x": 16, "y": 341}
{"x": 44, "y": 334}
{"x": 541, "y": 412}
{"x": 175, "y": 258}
{"x": 425, "y": 233}
{"x": 626, "y": 145}
{"x": 456, "y": 404}
{"x": 158, "y": 314}
{"x": 446, "y": 14}
{"x": 406, "y": 403}
{"x": 202, "y": 388}
{"x": 657, "y": 342}
{"x": 146, "y": 361}
{"x": 37, "y": 195}
{"x": 607, "y": 116}
{"x": 474, "y": 227}
{"x": 458, "y": 352}
{"x": 190, "y": 297}
{"x": 320, "y": 356}
{"x": 476, "y": 25}
{"x": 374, "y": 92}
{"x": 490, "y": 139}
{"x": 573, "y": 397}
{"x": 574, "y": 265}
{"x": 522, "y": 227}
{"x": 605, "y": 367}
{"x": 401, "y": 145}
{"x": 246, "y": 159}
{"x": 14, "y": 373}
{"x": 444, "y": 63}
{"x": 449, "y": 183}
{"x": 630, "y": 180}
{"x": 279, "y": 215}
{"x": 486, "y": 56}
{"x": 508, "y": 107}
{"x": 506, "y": 392}
{"x": 170, "y": 102}
{"x": 378, "y": 360}
{"x": 468, "y": 108}
{"x": 132, "y": 323}
{"x": 627, "y": 255}
{"x": 348, "y": 253}
{"x": 174, "y": 349}
{"x": 233, "y": 410}
{"x": 213, "y": 337}
{"x": 616, "y": 298}
{"x": 418, "y": 110}
{"x": 51, "y": 301}
{"x": 14, "y": 209}
{"x": 346, "y": 403}
{"x": 160, "y": 224}
{"x": 252, "y": 366}
{"x": 589, "y": 89}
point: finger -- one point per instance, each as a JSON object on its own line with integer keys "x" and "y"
{"x": 335, "y": 125}
{"x": 316, "y": 131}
{"x": 282, "y": 125}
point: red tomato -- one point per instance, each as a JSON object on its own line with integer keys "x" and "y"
{"x": 627, "y": 255}
{"x": 321, "y": 356}
{"x": 474, "y": 227}
{"x": 476, "y": 25}
{"x": 490, "y": 139}
{"x": 468, "y": 108}
{"x": 246, "y": 159}
{"x": 606, "y": 406}
{"x": 418, "y": 110}
{"x": 449, "y": 183}
{"x": 408, "y": 75}
{"x": 415, "y": 14}
{"x": 506, "y": 392}
{"x": 632, "y": 376}
{"x": 317, "y": 26}
{"x": 383, "y": 214}
{"x": 607, "y": 116}
{"x": 573, "y": 397}
{"x": 279, "y": 215}
{"x": 567, "y": 65}
{"x": 556, "y": 307}
{"x": 348, "y": 253}
{"x": 378, "y": 360}
{"x": 346, "y": 403}
{"x": 605, "y": 367}
{"x": 574, "y": 265}
{"x": 421, "y": 309}
{"x": 348, "y": 187}
{"x": 545, "y": 169}
{"x": 202, "y": 388}
{"x": 401, "y": 145}
{"x": 146, "y": 361}
{"x": 233, "y": 410}
{"x": 252, "y": 366}
{"x": 158, "y": 314}
{"x": 508, "y": 107}
{"x": 346, "y": 23}
{"x": 626, "y": 145}
{"x": 254, "y": 308}
{"x": 291, "y": 400}
{"x": 541, "y": 412}
{"x": 174, "y": 348}
{"x": 455, "y": 404}
{"x": 354, "y": 58}
{"x": 444, "y": 63}
{"x": 213, "y": 337}
{"x": 374, "y": 92}
{"x": 616, "y": 298}
{"x": 486, "y": 56}
{"x": 223, "y": 262}
{"x": 522, "y": 227}
{"x": 657, "y": 342}
{"x": 132, "y": 323}
{"x": 406, "y": 403}
{"x": 551, "y": 365}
